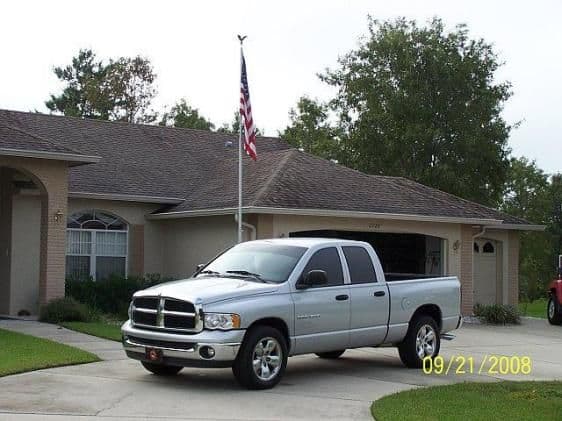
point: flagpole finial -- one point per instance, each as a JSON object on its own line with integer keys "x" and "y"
{"x": 241, "y": 38}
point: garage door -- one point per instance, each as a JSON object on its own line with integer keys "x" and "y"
{"x": 485, "y": 271}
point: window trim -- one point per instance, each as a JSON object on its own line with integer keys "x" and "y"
{"x": 93, "y": 252}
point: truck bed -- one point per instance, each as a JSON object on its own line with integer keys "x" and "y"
{"x": 407, "y": 295}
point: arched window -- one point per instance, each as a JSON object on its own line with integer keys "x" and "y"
{"x": 96, "y": 245}
{"x": 488, "y": 248}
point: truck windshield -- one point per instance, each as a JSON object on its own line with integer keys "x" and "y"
{"x": 267, "y": 262}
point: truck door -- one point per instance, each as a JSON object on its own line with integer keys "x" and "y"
{"x": 369, "y": 299}
{"x": 322, "y": 313}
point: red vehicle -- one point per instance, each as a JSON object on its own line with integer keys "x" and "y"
{"x": 554, "y": 306}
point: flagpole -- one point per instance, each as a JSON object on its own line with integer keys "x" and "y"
{"x": 240, "y": 155}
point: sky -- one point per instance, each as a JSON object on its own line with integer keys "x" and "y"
{"x": 193, "y": 48}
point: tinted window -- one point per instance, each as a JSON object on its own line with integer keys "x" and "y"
{"x": 329, "y": 261}
{"x": 360, "y": 265}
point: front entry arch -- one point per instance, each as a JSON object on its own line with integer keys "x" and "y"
{"x": 44, "y": 184}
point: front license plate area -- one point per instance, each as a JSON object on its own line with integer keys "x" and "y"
{"x": 154, "y": 355}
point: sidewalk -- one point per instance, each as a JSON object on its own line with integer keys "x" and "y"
{"x": 103, "y": 348}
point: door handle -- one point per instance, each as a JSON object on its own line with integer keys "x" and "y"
{"x": 379, "y": 294}
{"x": 342, "y": 297}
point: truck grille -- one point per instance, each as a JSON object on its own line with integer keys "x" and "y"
{"x": 161, "y": 344}
{"x": 162, "y": 313}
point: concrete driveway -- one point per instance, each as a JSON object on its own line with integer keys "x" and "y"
{"x": 312, "y": 388}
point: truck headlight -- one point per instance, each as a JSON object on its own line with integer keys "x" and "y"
{"x": 223, "y": 321}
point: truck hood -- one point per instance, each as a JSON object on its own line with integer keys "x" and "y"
{"x": 208, "y": 289}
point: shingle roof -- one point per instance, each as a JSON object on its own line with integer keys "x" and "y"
{"x": 17, "y": 139}
{"x": 199, "y": 167}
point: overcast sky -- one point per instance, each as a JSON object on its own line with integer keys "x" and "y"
{"x": 194, "y": 50}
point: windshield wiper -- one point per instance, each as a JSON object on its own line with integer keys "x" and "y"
{"x": 246, "y": 273}
{"x": 209, "y": 272}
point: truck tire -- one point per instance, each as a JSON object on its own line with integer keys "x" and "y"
{"x": 262, "y": 358}
{"x": 553, "y": 311}
{"x": 332, "y": 355}
{"x": 422, "y": 340}
{"x": 161, "y": 369}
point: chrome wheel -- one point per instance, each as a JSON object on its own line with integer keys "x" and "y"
{"x": 267, "y": 358}
{"x": 551, "y": 309}
{"x": 425, "y": 342}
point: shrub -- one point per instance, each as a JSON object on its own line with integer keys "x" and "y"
{"x": 497, "y": 314}
{"x": 66, "y": 309}
{"x": 111, "y": 296}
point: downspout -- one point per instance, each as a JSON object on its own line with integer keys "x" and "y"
{"x": 249, "y": 226}
{"x": 481, "y": 233}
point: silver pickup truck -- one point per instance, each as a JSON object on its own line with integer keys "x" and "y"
{"x": 262, "y": 301}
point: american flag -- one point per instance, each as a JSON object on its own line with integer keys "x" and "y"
{"x": 246, "y": 120}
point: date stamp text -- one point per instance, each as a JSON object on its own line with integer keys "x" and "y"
{"x": 490, "y": 365}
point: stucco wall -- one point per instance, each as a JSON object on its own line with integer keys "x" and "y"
{"x": 187, "y": 242}
{"x": 513, "y": 266}
{"x": 131, "y": 212}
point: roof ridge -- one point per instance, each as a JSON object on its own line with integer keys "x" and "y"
{"x": 263, "y": 191}
{"x": 126, "y": 123}
{"x": 43, "y": 139}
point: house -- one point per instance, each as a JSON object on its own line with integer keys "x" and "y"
{"x": 82, "y": 198}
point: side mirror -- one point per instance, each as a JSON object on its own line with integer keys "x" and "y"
{"x": 313, "y": 278}
{"x": 199, "y": 267}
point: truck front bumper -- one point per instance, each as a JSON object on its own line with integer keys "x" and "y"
{"x": 209, "y": 348}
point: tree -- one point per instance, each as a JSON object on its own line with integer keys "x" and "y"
{"x": 234, "y": 126}
{"x": 130, "y": 84}
{"x": 310, "y": 130}
{"x": 183, "y": 115}
{"x": 423, "y": 103}
{"x": 120, "y": 90}
{"x": 83, "y": 95}
{"x": 528, "y": 195}
{"x": 527, "y": 192}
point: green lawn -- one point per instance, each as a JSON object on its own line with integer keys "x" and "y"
{"x": 19, "y": 353}
{"x": 474, "y": 401}
{"x": 107, "y": 330}
{"x": 535, "y": 309}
